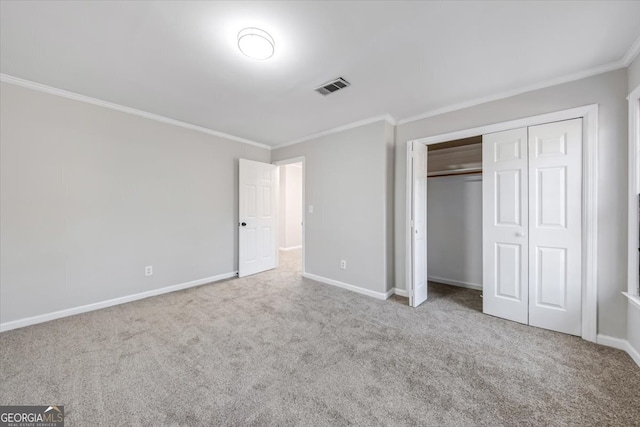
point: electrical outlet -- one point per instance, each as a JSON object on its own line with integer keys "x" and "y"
{"x": 343, "y": 264}
{"x": 148, "y": 270}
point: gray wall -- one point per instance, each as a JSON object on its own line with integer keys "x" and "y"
{"x": 89, "y": 196}
{"x": 454, "y": 222}
{"x": 346, "y": 183}
{"x": 609, "y": 91}
{"x": 634, "y": 74}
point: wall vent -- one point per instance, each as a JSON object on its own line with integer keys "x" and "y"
{"x": 332, "y": 86}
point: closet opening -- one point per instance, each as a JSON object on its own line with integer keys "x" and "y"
{"x": 538, "y": 179}
{"x": 454, "y": 221}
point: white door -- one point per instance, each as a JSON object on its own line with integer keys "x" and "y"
{"x": 555, "y": 226}
{"x": 418, "y": 280}
{"x": 505, "y": 225}
{"x": 257, "y": 247}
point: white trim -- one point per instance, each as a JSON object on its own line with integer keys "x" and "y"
{"x": 354, "y": 288}
{"x": 635, "y": 355}
{"x": 117, "y": 107}
{"x": 555, "y": 116}
{"x": 590, "y": 223}
{"x": 20, "y": 323}
{"x": 507, "y": 94}
{"x": 385, "y": 117}
{"x": 620, "y": 344}
{"x": 632, "y": 231}
{"x": 390, "y": 119}
{"x": 290, "y": 161}
{"x": 408, "y": 280}
{"x": 401, "y": 292}
{"x": 632, "y": 53}
{"x": 290, "y": 248}
{"x": 633, "y": 299}
{"x": 634, "y": 189}
{"x": 589, "y": 114}
{"x": 457, "y": 283}
{"x": 303, "y": 162}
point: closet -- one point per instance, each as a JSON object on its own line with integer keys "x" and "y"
{"x": 454, "y": 213}
{"x": 531, "y": 220}
{"x": 532, "y": 223}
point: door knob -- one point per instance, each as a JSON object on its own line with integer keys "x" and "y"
{"x": 521, "y": 234}
{"x": 244, "y": 224}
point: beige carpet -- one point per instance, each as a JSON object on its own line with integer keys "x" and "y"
{"x": 275, "y": 349}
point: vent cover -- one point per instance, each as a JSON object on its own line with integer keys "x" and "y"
{"x": 332, "y": 86}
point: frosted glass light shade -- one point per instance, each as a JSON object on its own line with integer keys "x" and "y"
{"x": 256, "y": 43}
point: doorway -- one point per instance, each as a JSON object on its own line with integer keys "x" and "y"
{"x": 416, "y": 242}
{"x": 291, "y": 214}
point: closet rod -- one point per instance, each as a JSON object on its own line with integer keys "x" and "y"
{"x": 453, "y": 172}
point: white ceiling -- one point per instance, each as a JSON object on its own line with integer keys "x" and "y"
{"x": 180, "y": 59}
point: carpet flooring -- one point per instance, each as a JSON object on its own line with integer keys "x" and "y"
{"x": 277, "y": 349}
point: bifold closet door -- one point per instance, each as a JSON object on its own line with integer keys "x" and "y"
{"x": 418, "y": 282}
{"x": 532, "y": 225}
{"x": 505, "y": 225}
{"x": 555, "y": 226}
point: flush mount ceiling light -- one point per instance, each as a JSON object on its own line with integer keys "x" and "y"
{"x": 256, "y": 43}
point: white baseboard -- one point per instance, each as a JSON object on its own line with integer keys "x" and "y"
{"x": 634, "y": 353}
{"x": 401, "y": 292}
{"x": 457, "y": 283}
{"x": 354, "y": 288}
{"x": 20, "y": 323}
{"x": 388, "y": 294}
{"x": 620, "y": 344}
{"x": 291, "y": 248}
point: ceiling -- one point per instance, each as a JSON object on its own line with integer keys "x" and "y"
{"x": 180, "y": 59}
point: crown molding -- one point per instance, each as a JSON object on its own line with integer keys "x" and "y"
{"x": 386, "y": 117}
{"x": 632, "y": 53}
{"x": 507, "y": 94}
{"x": 110, "y": 105}
{"x": 390, "y": 119}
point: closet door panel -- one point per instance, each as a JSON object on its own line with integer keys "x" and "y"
{"x": 418, "y": 288}
{"x": 504, "y": 228}
{"x": 555, "y": 228}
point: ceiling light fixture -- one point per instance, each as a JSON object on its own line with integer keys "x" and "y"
{"x": 256, "y": 43}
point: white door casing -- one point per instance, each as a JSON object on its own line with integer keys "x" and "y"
{"x": 505, "y": 224}
{"x": 258, "y": 224}
{"x": 418, "y": 283}
{"x": 555, "y": 226}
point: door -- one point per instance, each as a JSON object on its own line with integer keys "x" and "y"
{"x": 555, "y": 224}
{"x": 505, "y": 225}
{"x": 418, "y": 282}
{"x": 257, "y": 243}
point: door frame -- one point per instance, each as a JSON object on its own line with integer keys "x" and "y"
{"x": 285, "y": 162}
{"x": 589, "y": 115}
{"x": 634, "y": 188}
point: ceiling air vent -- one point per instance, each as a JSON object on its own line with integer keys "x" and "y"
{"x": 332, "y": 86}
